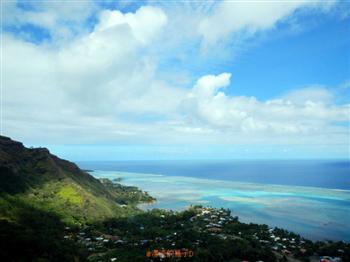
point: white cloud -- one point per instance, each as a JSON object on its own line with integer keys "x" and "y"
{"x": 312, "y": 94}
{"x": 208, "y": 85}
{"x": 305, "y": 111}
{"x": 62, "y": 19}
{"x": 109, "y": 60}
{"x": 86, "y": 86}
{"x": 144, "y": 24}
{"x": 231, "y": 17}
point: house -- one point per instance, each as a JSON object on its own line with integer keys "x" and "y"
{"x": 302, "y": 250}
{"x": 330, "y": 259}
{"x": 214, "y": 229}
{"x": 286, "y": 252}
{"x": 111, "y": 237}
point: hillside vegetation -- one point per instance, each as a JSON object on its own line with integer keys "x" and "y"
{"x": 40, "y": 194}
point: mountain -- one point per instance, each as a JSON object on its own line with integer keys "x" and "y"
{"x": 46, "y": 181}
{"x": 41, "y": 194}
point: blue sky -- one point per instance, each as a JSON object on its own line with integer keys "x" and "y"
{"x": 154, "y": 80}
{"x": 319, "y": 55}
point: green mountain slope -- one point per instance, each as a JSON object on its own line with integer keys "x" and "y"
{"x": 41, "y": 194}
{"x": 44, "y": 181}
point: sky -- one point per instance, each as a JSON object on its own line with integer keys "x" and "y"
{"x": 149, "y": 80}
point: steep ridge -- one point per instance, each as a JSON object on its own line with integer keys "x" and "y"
{"x": 44, "y": 181}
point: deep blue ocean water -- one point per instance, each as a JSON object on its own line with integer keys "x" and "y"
{"x": 316, "y": 173}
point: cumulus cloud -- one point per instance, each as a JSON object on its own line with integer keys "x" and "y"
{"x": 102, "y": 73}
{"x": 108, "y": 60}
{"x": 104, "y": 85}
{"x": 303, "y": 111}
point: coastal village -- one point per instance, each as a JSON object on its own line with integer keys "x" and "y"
{"x": 172, "y": 240}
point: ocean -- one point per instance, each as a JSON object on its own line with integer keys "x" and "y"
{"x": 315, "y": 173}
{"x": 309, "y": 197}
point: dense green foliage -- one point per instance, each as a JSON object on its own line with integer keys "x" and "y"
{"x": 130, "y": 238}
{"x": 31, "y": 234}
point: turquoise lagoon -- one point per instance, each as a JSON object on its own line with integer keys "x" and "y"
{"x": 315, "y": 213}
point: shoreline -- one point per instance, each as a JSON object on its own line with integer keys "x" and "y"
{"x": 252, "y": 205}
